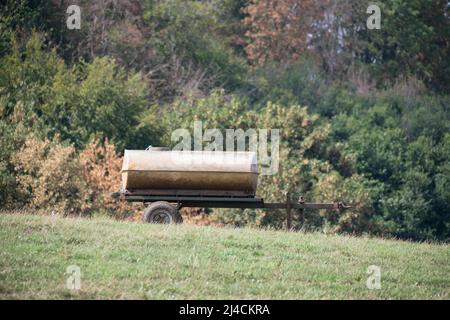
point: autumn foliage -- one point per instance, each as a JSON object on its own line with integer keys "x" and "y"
{"x": 48, "y": 176}
{"x": 54, "y": 176}
{"x": 101, "y": 170}
{"x": 278, "y": 29}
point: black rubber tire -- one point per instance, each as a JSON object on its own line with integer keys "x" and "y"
{"x": 163, "y": 213}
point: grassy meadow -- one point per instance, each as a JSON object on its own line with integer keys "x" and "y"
{"x": 128, "y": 260}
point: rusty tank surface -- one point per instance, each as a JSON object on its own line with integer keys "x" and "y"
{"x": 158, "y": 171}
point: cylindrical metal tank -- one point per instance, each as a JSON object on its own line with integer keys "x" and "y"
{"x": 209, "y": 173}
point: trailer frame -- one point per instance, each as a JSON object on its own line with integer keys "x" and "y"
{"x": 234, "y": 202}
{"x": 238, "y": 202}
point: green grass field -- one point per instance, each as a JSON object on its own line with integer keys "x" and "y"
{"x": 133, "y": 260}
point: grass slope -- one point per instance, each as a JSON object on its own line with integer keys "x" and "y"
{"x": 131, "y": 260}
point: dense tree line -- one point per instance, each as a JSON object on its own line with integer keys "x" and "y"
{"x": 364, "y": 114}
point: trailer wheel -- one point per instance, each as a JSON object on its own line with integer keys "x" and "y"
{"x": 162, "y": 212}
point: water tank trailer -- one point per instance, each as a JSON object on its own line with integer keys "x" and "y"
{"x": 166, "y": 181}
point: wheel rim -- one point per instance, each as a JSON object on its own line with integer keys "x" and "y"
{"x": 162, "y": 217}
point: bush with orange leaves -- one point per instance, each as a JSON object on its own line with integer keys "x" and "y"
{"x": 51, "y": 176}
{"x": 101, "y": 167}
{"x": 278, "y": 29}
{"x": 48, "y": 176}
